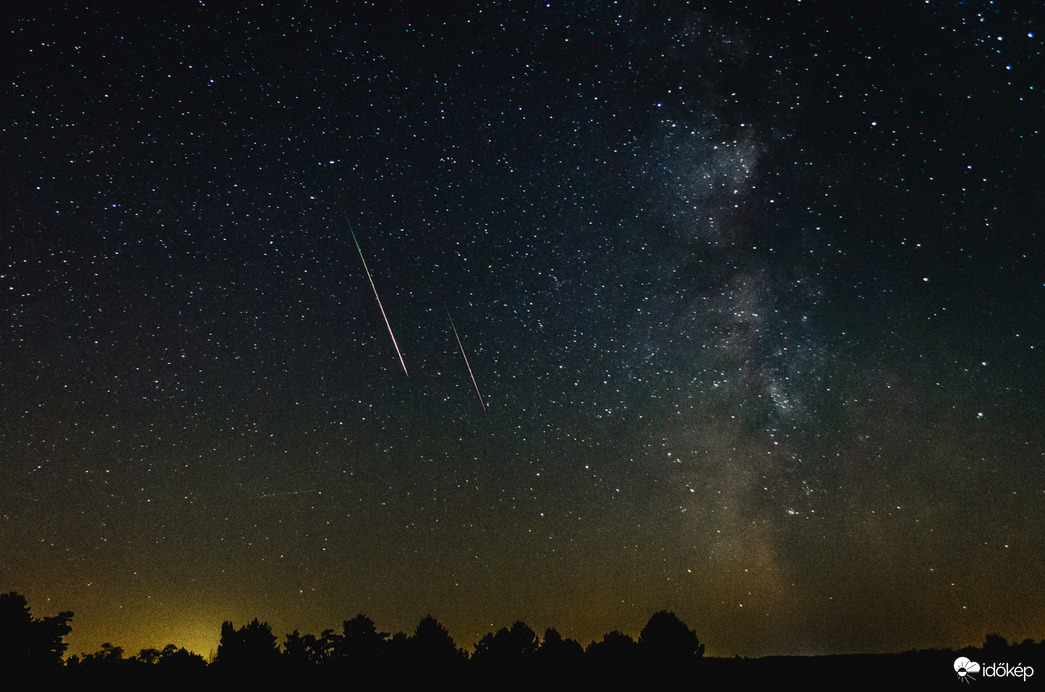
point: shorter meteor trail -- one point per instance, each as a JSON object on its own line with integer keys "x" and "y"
{"x": 481, "y": 402}
{"x": 401, "y": 361}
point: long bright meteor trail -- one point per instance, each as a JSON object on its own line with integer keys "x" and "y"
{"x": 481, "y": 402}
{"x": 401, "y": 361}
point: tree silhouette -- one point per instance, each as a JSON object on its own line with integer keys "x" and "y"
{"x": 556, "y": 652}
{"x": 363, "y": 657}
{"x": 398, "y": 650}
{"x": 106, "y": 655}
{"x": 325, "y": 649}
{"x": 509, "y": 648}
{"x": 171, "y": 659}
{"x": 615, "y": 651}
{"x": 306, "y": 650}
{"x": 180, "y": 660}
{"x": 252, "y": 646}
{"x": 361, "y": 640}
{"x": 28, "y": 642}
{"x": 362, "y": 650}
{"x": 666, "y": 639}
{"x": 559, "y": 659}
{"x": 148, "y": 656}
{"x": 995, "y": 644}
{"x": 522, "y": 641}
{"x": 296, "y": 648}
{"x": 432, "y": 647}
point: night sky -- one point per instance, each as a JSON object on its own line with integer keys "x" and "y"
{"x": 754, "y": 299}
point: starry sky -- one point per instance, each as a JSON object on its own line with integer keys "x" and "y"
{"x": 752, "y": 294}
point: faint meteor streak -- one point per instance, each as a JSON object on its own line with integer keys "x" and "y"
{"x": 394, "y": 343}
{"x": 474, "y": 383}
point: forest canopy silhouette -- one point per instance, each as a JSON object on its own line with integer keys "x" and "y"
{"x": 361, "y": 652}
{"x": 30, "y": 642}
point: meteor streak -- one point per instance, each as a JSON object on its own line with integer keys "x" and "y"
{"x": 481, "y": 403}
{"x": 401, "y": 362}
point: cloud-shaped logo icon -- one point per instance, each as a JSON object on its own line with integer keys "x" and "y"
{"x": 965, "y": 668}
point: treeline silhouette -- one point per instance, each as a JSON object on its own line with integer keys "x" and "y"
{"x": 361, "y": 654}
{"x": 359, "y": 650}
